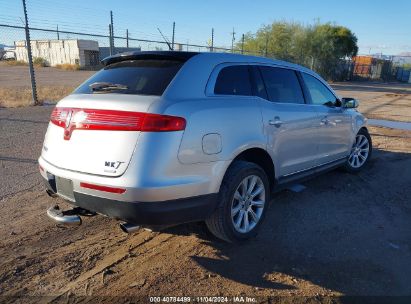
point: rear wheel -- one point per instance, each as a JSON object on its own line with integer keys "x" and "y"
{"x": 243, "y": 200}
{"x": 360, "y": 152}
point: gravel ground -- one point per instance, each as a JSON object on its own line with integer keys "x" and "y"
{"x": 344, "y": 235}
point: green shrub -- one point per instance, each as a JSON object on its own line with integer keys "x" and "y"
{"x": 16, "y": 62}
{"x": 68, "y": 67}
{"x": 39, "y": 62}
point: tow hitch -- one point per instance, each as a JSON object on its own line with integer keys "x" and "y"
{"x": 67, "y": 217}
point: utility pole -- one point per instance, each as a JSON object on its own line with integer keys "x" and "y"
{"x": 112, "y": 30}
{"x": 212, "y": 40}
{"x": 172, "y": 38}
{"x": 266, "y": 44}
{"x": 242, "y": 44}
{"x": 232, "y": 41}
{"x": 29, "y": 55}
{"x": 58, "y": 34}
{"x": 127, "y": 37}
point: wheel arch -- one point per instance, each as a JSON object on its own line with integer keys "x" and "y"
{"x": 260, "y": 157}
{"x": 363, "y": 128}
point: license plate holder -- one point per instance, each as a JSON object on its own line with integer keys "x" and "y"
{"x": 65, "y": 188}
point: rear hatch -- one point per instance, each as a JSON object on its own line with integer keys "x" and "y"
{"x": 95, "y": 130}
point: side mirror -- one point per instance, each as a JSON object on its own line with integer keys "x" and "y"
{"x": 349, "y": 103}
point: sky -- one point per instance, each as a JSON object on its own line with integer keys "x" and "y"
{"x": 381, "y": 26}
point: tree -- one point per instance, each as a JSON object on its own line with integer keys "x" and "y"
{"x": 318, "y": 46}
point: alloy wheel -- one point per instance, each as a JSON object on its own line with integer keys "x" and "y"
{"x": 248, "y": 204}
{"x": 359, "y": 151}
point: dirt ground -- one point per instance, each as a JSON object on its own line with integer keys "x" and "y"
{"x": 379, "y": 100}
{"x": 344, "y": 235}
{"x": 52, "y": 84}
{"x": 18, "y": 76}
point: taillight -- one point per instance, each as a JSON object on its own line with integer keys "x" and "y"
{"x": 58, "y": 116}
{"x": 162, "y": 123}
{"x": 102, "y": 188}
{"x": 91, "y": 119}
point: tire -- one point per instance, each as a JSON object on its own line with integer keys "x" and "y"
{"x": 360, "y": 152}
{"x": 233, "y": 198}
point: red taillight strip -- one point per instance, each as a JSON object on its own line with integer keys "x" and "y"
{"x": 112, "y": 120}
{"x": 103, "y": 188}
{"x": 162, "y": 123}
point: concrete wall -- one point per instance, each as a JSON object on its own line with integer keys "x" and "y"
{"x": 57, "y": 51}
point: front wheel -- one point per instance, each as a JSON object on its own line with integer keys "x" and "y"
{"x": 360, "y": 152}
{"x": 243, "y": 200}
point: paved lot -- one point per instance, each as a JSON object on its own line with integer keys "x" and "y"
{"x": 18, "y": 76}
{"x": 345, "y": 234}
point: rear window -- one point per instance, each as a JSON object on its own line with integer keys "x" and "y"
{"x": 140, "y": 77}
{"x": 233, "y": 80}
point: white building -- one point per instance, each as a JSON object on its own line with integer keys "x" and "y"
{"x": 72, "y": 51}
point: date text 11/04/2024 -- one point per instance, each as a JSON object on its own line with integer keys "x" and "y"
{"x": 203, "y": 299}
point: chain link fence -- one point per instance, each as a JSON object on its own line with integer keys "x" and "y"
{"x": 54, "y": 52}
{"x": 63, "y": 59}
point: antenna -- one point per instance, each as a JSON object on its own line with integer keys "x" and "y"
{"x": 165, "y": 39}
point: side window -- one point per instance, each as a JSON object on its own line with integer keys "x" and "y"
{"x": 319, "y": 93}
{"x": 282, "y": 85}
{"x": 233, "y": 80}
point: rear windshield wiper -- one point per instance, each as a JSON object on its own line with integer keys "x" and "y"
{"x": 107, "y": 86}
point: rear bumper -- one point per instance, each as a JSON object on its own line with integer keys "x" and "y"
{"x": 169, "y": 212}
{"x": 151, "y": 213}
{"x": 147, "y": 184}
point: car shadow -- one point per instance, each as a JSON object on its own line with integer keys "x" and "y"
{"x": 346, "y": 233}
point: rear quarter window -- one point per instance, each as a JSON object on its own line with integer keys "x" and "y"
{"x": 141, "y": 77}
{"x": 282, "y": 85}
{"x": 233, "y": 80}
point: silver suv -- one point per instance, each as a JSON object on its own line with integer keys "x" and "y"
{"x": 159, "y": 138}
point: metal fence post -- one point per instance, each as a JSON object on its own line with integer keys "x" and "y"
{"x": 112, "y": 30}
{"x": 172, "y": 38}
{"x": 30, "y": 58}
{"x": 242, "y": 44}
{"x": 212, "y": 40}
{"x": 110, "y": 40}
{"x": 127, "y": 38}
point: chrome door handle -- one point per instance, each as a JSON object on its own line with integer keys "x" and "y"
{"x": 275, "y": 122}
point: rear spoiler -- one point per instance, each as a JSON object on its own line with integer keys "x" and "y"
{"x": 164, "y": 55}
